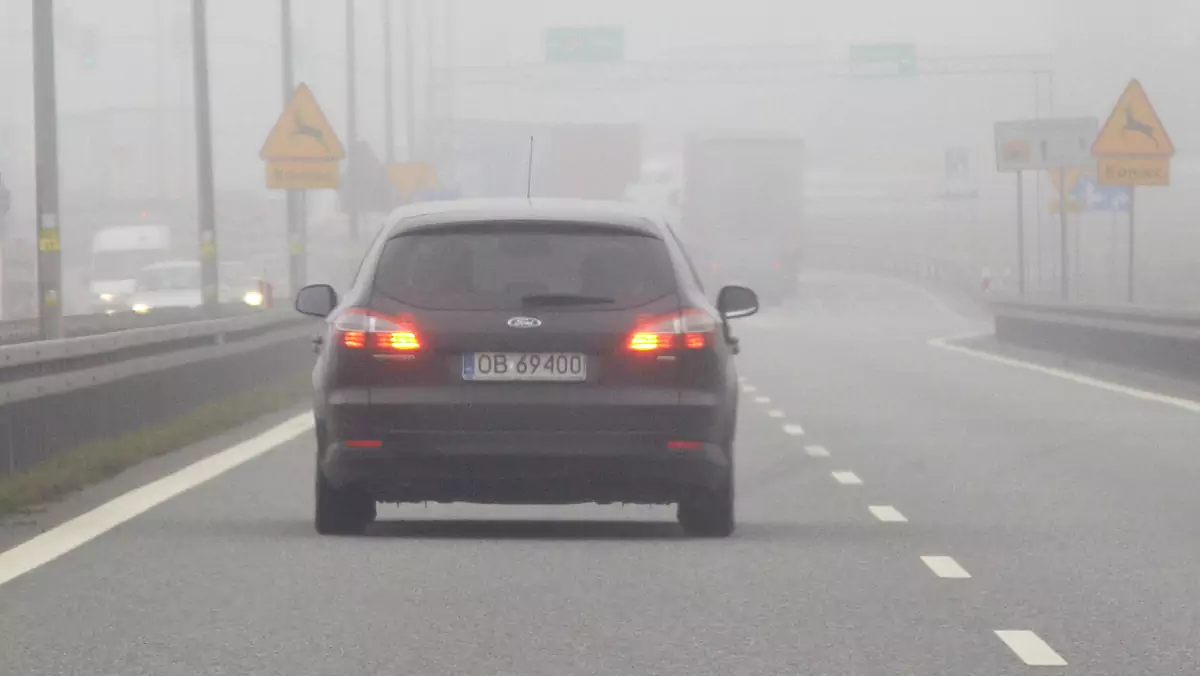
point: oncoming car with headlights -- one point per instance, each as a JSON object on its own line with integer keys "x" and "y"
{"x": 525, "y": 352}
{"x": 177, "y": 284}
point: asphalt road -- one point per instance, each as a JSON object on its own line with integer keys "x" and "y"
{"x": 1072, "y": 509}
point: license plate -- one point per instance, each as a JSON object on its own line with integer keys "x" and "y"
{"x": 522, "y": 366}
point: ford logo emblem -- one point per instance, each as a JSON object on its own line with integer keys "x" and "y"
{"x": 524, "y": 322}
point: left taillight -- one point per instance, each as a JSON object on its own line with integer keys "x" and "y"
{"x": 362, "y": 329}
{"x": 690, "y": 329}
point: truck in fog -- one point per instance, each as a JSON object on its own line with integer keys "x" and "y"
{"x": 743, "y": 210}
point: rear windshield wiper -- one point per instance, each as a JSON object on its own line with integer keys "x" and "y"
{"x": 551, "y": 299}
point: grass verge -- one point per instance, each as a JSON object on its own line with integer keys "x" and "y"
{"x": 104, "y": 459}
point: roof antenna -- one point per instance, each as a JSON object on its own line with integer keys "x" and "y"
{"x": 529, "y": 177}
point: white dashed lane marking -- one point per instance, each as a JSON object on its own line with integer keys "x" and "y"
{"x": 817, "y": 451}
{"x": 946, "y": 567}
{"x": 887, "y": 514}
{"x": 775, "y": 413}
{"x": 794, "y": 430}
{"x": 749, "y": 389}
{"x": 1031, "y": 648}
{"x": 847, "y": 478}
{"x": 763, "y": 400}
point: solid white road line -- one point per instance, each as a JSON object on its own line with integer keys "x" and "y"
{"x": 1145, "y": 395}
{"x": 794, "y": 430}
{"x": 847, "y": 478}
{"x": 817, "y": 451}
{"x": 1031, "y": 649}
{"x": 775, "y": 413}
{"x": 57, "y": 541}
{"x": 887, "y": 514}
{"x": 946, "y": 566}
{"x": 763, "y": 400}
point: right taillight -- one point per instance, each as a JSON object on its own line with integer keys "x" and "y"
{"x": 359, "y": 328}
{"x": 690, "y": 329}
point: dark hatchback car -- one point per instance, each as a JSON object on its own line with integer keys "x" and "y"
{"x": 525, "y": 352}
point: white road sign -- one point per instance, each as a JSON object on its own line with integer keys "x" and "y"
{"x": 1031, "y": 145}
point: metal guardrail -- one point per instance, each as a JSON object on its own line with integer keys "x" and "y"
{"x": 26, "y": 330}
{"x": 61, "y": 395}
{"x": 1148, "y": 339}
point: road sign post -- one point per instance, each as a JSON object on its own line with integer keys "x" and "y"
{"x": 351, "y": 209}
{"x": 296, "y": 225}
{"x": 1021, "y": 232}
{"x": 1059, "y": 144}
{"x": 1133, "y": 148}
{"x": 49, "y": 269}
{"x": 1065, "y": 260}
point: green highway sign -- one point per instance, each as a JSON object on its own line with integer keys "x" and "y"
{"x": 883, "y": 60}
{"x": 585, "y": 44}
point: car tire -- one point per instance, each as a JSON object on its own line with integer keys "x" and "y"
{"x": 709, "y": 512}
{"x": 341, "y": 511}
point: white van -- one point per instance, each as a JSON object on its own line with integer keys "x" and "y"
{"x": 119, "y": 253}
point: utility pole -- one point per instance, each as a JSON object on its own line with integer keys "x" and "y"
{"x": 45, "y": 107}
{"x": 389, "y": 109}
{"x": 296, "y": 226}
{"x": 204, "y": 169}
{"x": 430, "y": 145}
{"x": 447, "y": 166}
{"x": 410, "y": 86}
{"x": 351, "y": 206}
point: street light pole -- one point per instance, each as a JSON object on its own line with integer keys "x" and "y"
{"x": 204, "y": 168}
{"x": 410, "y": 87}
{"x": 350, "y": 191}
{"x": 430, "y": 126}
{"x": 296, "y": 235}
{"x": 49, "y": 270}
{"x": 389, "y": 110}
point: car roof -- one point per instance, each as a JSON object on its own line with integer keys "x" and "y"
{"x": 565, "y": 211}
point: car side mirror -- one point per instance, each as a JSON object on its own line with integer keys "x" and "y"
{"x": 737, "y": 301}
{"x": 316, "y": 300}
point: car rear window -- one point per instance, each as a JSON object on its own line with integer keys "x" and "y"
{"x": 500, "y": 270}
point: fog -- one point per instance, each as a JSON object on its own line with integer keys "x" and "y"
{"x": 876, "y": 146}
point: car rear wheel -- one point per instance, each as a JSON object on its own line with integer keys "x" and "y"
{"x": 709, "y": 512}
{"x": 341, "y": 511}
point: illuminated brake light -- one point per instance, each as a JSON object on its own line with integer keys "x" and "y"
{"x": 401, "y": 341}
{"x": 685, "y": 445}
{"x": 645, "y": 342}
{"x": 361, "y": 328}
{"x": 364, "y": 443}
{"x": 662, "y": 333}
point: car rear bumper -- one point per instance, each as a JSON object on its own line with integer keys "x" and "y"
{"x": 527, "y": 468}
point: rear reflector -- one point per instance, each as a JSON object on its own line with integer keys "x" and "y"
{"x": 364, "y": 443}
{"x": 685, "y": 445}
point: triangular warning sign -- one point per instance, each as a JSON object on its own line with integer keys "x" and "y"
{"x": 302, "y": 133}
{"x": 1133, "y": 128}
